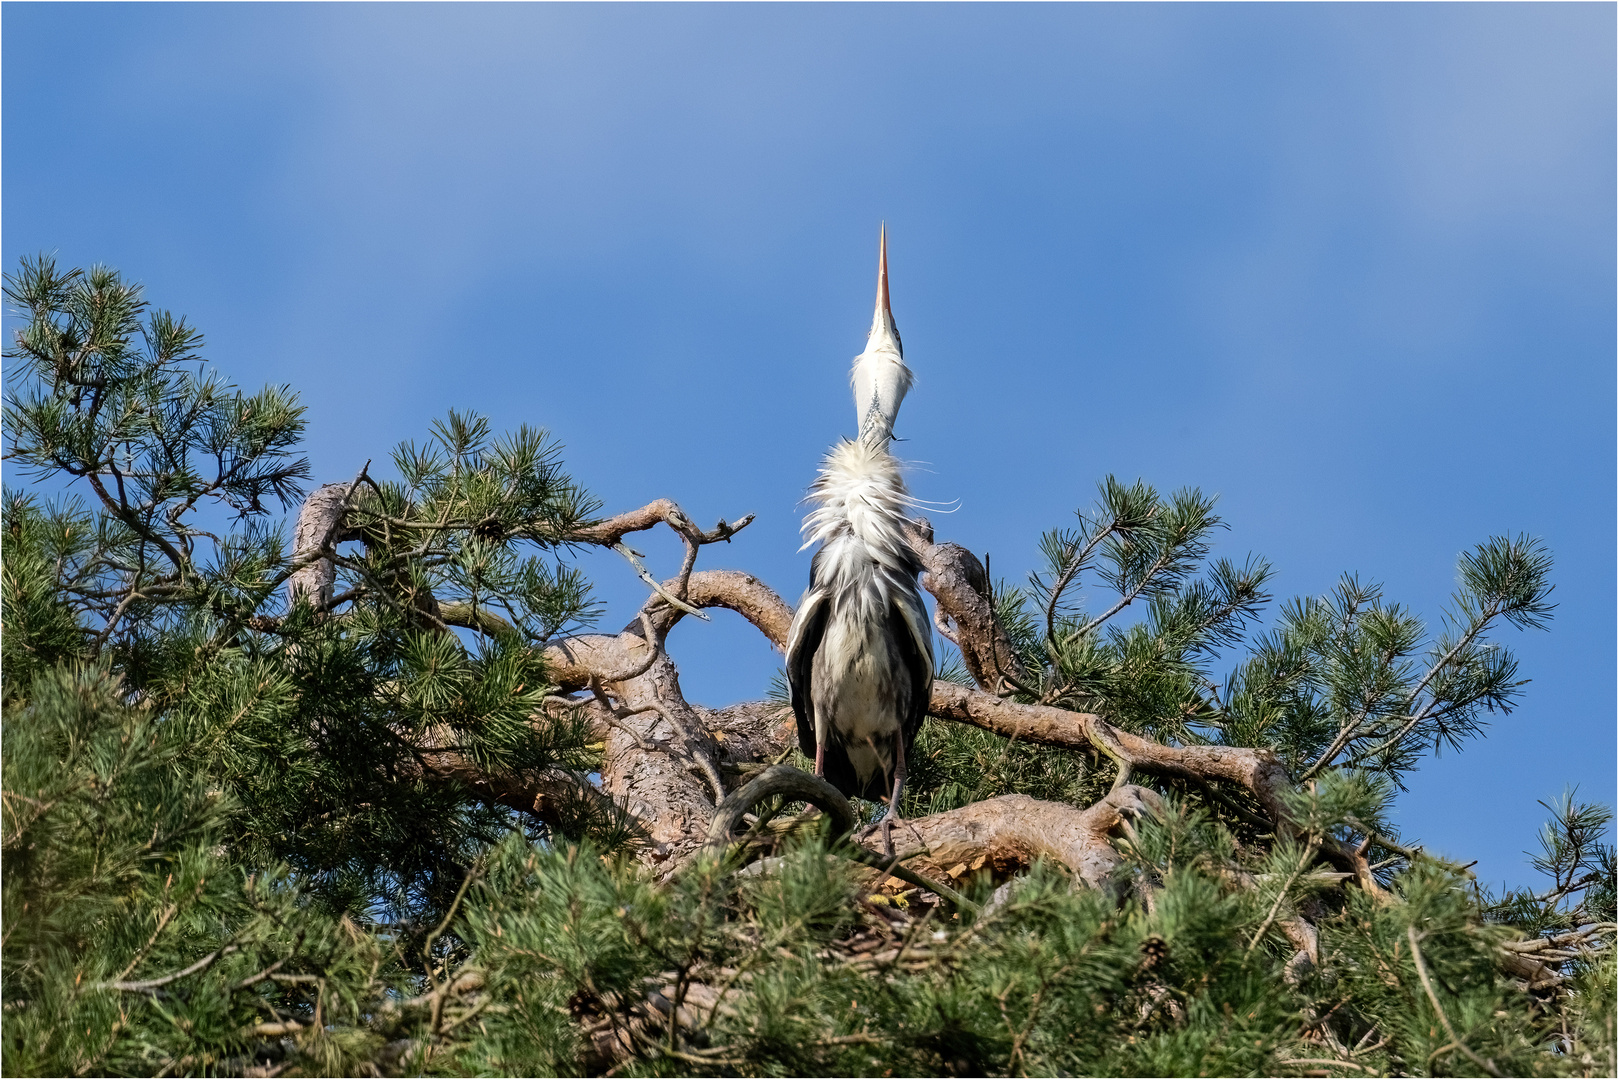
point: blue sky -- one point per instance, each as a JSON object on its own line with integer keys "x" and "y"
{"x": 1349, "y": 267}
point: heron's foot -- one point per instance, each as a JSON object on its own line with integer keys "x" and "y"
{"x": 885, "y": 824}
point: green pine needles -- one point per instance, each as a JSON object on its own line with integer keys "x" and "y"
{"x": 346, "y": 796}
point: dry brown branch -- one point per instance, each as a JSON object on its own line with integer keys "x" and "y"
{"x": 739, "y": 592}
{"x": 645, "y": 575}
{"x": 611, "y": 530}
{"x": 961, "y": 587}
{"x": 320, "y": 525}
{"x": 1258, "y": 771}
{"x": 1012, "y": 831}
{"x": 665, "y": 511}
{"x": 779, "y": 781}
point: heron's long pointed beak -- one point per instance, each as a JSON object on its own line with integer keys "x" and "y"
{"x": 882, "y": 274}
{"x": 882, "y": 320}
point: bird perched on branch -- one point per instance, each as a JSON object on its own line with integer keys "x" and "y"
{"x": 860, "y": 651}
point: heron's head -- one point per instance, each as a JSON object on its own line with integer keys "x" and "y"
{"x": 880, "y": 378}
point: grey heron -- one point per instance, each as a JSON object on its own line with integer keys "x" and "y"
{"x": 860, "y": 650}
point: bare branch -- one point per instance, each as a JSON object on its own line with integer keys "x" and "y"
{"x": 962, "y": 591}
{"x": 740, "y": 592}
{"x": 1015, "y": 830}
{"x": 645, "y": 575}
{"x": 614, "y": 529}
{"x": 320, "y": 525}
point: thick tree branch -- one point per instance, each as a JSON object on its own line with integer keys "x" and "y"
{"x": 742, "y": 593}
{"x": 320, "y": 525}
{"x": 962, "y": 590}
{"x": 1258, "y": 771}
{"x": 1015, "y": 830}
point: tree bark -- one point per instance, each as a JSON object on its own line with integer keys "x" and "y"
{"x": 961, "y": 587}
{"x": 1012, "y": 831}
{"x": 320, "y": 524}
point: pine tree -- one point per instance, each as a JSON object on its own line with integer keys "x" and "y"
{"x": 362, "y": 794}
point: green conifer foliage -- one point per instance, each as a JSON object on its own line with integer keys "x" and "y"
{"x": 243, "y": 836}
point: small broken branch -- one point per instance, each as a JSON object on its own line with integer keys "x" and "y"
{"x": 645, "y": 575}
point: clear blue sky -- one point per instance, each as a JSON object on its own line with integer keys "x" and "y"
{"x": 1349, "y": 267}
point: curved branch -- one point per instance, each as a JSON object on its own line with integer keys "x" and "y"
{"x": 778, "y": 781}
{"x": 740, "y": 592}
{"x": 1008, "y": 831}
{"x": 665, "y": 511}
{"x": 961, "y": 589}
{"x": 1257, "y": 770}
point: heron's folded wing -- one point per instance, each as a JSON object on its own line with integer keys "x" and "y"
{"x": 914, "y": 637}
{"x": 803, "y": 639}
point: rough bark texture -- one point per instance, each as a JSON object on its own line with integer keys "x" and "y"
{"x": 659, "y": 754}
{"x": 961, "y": 587}
{"x": 750, "y": 732}
{"x": 1258, "y": 771}
{"x": 736, "y": 591}
{"x": 1012, "y": 831}
{"x": 319, "y": 526}
{"x": 664, "y": 786}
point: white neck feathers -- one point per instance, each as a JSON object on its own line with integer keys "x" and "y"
{"x": 859, "y": 516}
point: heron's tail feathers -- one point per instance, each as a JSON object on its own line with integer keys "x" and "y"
{"x": 843, "y": 773}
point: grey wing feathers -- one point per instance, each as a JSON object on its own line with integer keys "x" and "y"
{"x": 915, "y": 640}
{"x": 809, "y": 626}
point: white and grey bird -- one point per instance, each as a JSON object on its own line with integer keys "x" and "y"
{"x": 860, "y": 651}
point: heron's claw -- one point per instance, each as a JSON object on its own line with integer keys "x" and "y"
{"x": 886, "y": 825}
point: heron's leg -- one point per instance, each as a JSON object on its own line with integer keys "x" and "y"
{"x": 893, "y": 800}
